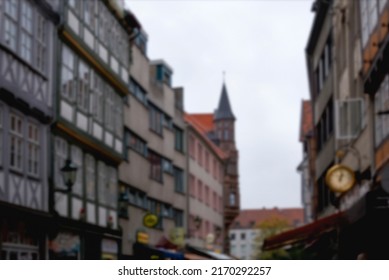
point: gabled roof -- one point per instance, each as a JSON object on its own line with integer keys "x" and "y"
{"x": 251, "y": 218}
{"x": 224, "y": 111}
{"x": 204, "y": 120}
{"x": 306, "y": 124}
{"x": 201, "y": 126}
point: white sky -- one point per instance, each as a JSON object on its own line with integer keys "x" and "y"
{"x": 261, "y": 47}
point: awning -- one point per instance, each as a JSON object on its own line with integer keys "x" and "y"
{"x": 191, "y": 256}
{"x": 146, "y": 252}
{"x": 207, "y": 253}
{"x": 305, "y": 233}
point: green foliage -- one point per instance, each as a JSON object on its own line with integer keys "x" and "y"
{"x": 271, "y": 226}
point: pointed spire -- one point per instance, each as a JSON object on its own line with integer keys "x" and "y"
{"x": 224, "y": 110}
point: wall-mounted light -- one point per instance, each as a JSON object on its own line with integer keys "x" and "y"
{"x": 197, "y": 222}
{"x": 69, "y": 175}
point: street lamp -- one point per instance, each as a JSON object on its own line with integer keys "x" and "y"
{"x": 69, "y": 173}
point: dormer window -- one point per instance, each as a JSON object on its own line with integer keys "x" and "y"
{"x": 164, "y": 74}
{"x": 141, "y": 41}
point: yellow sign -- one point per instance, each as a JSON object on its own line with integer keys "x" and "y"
{"x": 142, "y": 237}
{"x": 177, "y": 236}
{"x": 150, "y": 220}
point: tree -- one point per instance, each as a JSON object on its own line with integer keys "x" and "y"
{"x": 269, "y": 227}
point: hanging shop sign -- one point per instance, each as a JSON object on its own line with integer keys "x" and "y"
{"x": 150, "y": 220}
{"x": 142, "y": 237}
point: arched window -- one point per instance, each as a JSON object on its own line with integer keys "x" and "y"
{"x": 232, "y": 199}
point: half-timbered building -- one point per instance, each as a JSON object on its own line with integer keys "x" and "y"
{"x": 27, "y": 78}
{"x": 92, "y": 70}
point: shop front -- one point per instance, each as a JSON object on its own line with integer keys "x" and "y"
{"x": 23, "y": 233}
{"x": 78, "y": 240}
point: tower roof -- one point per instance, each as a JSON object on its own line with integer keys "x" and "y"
{"x": 224, "y": 111}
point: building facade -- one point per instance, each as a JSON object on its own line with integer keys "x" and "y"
{"x": 93, "y": 64}
{"x": 306, "y": 166}
{"x": 220, "y": 129}
{"x": 347, "y": 70}
{"x": 244, "y": 234}
{"x": 27, "y": 80}
{"x": 153, "y": 176}
{"x": 205, "y": 184}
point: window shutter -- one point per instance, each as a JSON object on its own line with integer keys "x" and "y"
{"x": 349, "y": 118}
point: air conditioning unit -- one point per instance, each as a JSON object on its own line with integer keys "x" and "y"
{"x": 349, "y": 118}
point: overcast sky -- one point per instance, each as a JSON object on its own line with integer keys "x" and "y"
{"x": 260, "y": 45}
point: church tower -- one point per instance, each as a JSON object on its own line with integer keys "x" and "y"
{"x": 224, "y": 137}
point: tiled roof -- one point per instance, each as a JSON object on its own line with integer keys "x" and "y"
{"x": 202, "y": 125}
{"x": 306, "y": 125}
{"x": 224, "y": 110}
{"x": 204, "y": 120}
{"x": 251, "y": 218}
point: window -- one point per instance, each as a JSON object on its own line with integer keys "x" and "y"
{"x": 324, "y": 65}
{"x": 232, "y": 236}
{"x": 192, "y": 143}
{"x": 41, "y": 44}
{"x": 33, "y": 148}
{"x": 207, "y": 161}
{"x": 243, "y": 236}
{"x": 369, "y": 18}
{"x": 97, "y": 99}
{"x": 214, "y": 169}
{"x": 90, "y": 177}
{"x": 61, "y": 154}
{"x": 109, "y": 108}
{"x": 118, "y": 115}
{"x": 207, "y": 196}
{"x": 179, "y": 139}
{"x": 136, "y": 143}
{"x": 243, "y": 252}
{"x": 77, "y": 158}
{"x": 155, "y": 207}
{"x": 232, "y": 199}
{"x": 325, "y": 126}
{"x": 167, "y": 122}
{"x": 200, "y": 154}
{"x": 164, "y": 74}
{"x": 199, "y": 190}
{"x": 381, "y": 104}
{"x": 137, "y": 198}
{"x": 156, "y": 117}
{"x": 178, "y": 216}
{"x": 167, "y": 210}
{"x": 112, "y": 187}
{"x": 192, "y": 187}
{"x": 26, "y": 31}
{"x": 10, "y": 23}
{"x": 68, "y": 79}
{"x": 137, "y": 91}
{"x": 16, "y": 142}
{"x": 214, "y": 200}
{"x": 349, "y": 118}
{"x": 24, "y": 35}
{"x": 155, "y": 166}
{"x": 178, "y": 180}
{"x": 102, "y": 182}
{"x": 167, "y": 166}
{"x": 81, "y": 84}
{"x": 141, "y": 41}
